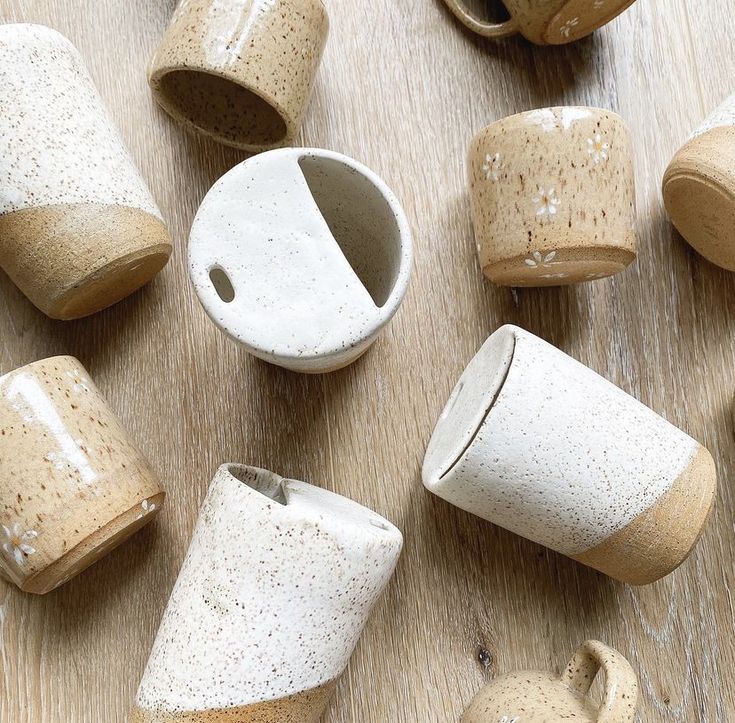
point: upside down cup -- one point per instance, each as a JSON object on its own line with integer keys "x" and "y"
{"x": 79, "y": 229}
{"x": 699, "y": 187}
{"x": 537, "y": 443}
{"x": 73, "y": 485}
{"x": 303, "y": 256}
{"x": 241, "y": 72}
{"x": 553, "y": 197}
{"x": 279, "y": 580}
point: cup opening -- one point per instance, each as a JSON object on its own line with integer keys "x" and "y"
{"x": 221, "y": 108}
{"x": 266, "y": 483}
{"x": 361, "y": 220}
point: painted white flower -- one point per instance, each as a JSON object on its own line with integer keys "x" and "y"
{"x": 569, "y": 25}
{"x": 14, "y": 542}
{"x": 148, "y": 507}
{"x": 597, "y": 147}
{"x": 538, "y": 261}
{"x": 493, "y": 166}
{"x": 508, "y": 719}
{"x": 546, "y": 202}
{"x": 598, "y": 4}
{"x": 81, "y": 383}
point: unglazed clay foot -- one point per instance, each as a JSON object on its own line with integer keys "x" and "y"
{"x": 279, "y": 580}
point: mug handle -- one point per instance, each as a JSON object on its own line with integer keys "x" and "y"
{"x": 487, "y": 30}
{"x": 621, "y": 683}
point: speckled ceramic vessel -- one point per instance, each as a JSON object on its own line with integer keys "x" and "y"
{"x": 553, "y": 197}
{"x": 536, "y": 697}
{"x": 301, "y": 255}
{"x": 537, "y": 443}
{"x": 544, "y": 22}
{"x": 72, "y": 483}
{"x": 79, "y": 229}
{"x": 242, "y": 71}
{"x": 699, "y": 187}
{"x": 278, "y": 583}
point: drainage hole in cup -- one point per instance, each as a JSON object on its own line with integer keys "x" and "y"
{"x": 222, "y": 284}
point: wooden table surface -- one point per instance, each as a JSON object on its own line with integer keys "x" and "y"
{"x": 403, "y": 89}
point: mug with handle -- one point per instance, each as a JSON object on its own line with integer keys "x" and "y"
{"x": 535, "y": 697}
{"x": 548, "y": 22}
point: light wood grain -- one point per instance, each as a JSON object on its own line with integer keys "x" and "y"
{"x": 402, "y": 89}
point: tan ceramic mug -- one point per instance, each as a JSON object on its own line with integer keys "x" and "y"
{"x": 538, "y": 697}
{"x": 73, "y": 485}
{"x": 553, "y": 197}
{"x": 241, "y": 72}
{"x": 544, "y": 22}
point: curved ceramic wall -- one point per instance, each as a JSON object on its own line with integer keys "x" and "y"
{"x": 277, "y": 585}
{"x": 537, "y": 443}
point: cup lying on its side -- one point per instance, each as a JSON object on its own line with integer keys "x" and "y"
{"x": 73, "y": 485}
{"x": 301, "y": 255}
{"x": 537, "y": 443}
{"x": 279, "y": 580}
{"x": 79, "y": 227}
{"x": 699, "y": 187}
{"x": 544, "y": 22}
{"x": 553, "y": 197}
{"x": 539, "y": 697}
{"x": 241, "y": 72}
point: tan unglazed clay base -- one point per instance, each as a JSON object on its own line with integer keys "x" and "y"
{"x": 93, "y": 549}
{"x": 73, "y": 260}
{"x": 665, "y": 534}
{"x": 306, "y": 707}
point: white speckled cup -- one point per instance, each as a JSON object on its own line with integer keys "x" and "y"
{"x": 279, "y": 580}
{"x": 79, "y": 228}
{"x": 537, "y": 443}
{"x": 301, "y": 255}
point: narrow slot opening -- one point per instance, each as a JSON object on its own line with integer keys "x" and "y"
{"x": 222, "y": 284}
{"x": 361, "y": 220}
{"x": 266, "y": 483}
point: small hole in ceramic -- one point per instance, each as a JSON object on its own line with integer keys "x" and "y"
{"x": 222, "y": 284}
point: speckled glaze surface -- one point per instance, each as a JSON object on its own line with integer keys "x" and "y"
{"x": 241, "y": 71}
{"x": 69, "y": 189}
{"x": 277, "y": 585}
{"x": 544, "y": 22}
{"x": 538, "y": 697}
{"x": 699, "y": 187}
{"x": 537, "y": 443}
{"x": 301, "y": 255}
{"x": 72, "y": 483}
{"x": 553, "y": 197}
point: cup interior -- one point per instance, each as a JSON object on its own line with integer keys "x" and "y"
{"x": 221, "y": 108}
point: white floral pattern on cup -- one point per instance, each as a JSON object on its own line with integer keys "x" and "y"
{"x": 598, "y": 148}
{"x": 148, "y": 508}
{"x": 569, "y": 25}
{"x": 546, "y": 201}
{"x": 14, "y": 541}
{"x": 493, "y": 166}
{"x": 509, "y": 719}
{"x": 538, "y": 261}
{"x": 598, "y": 4}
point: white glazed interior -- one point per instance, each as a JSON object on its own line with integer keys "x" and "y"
{"x": 311, "y": 255}
{"x": 277, "y": 585}
{"x": 537, "y": 443}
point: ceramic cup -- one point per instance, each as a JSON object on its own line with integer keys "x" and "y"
{"x": 544, "y": 22}
{"x": 538, "y": 697}
{"x": 72, "y": 483}
{"x": 301, "y": 255}
{"x": 241, "y": 72}
{"x": 79, "y": 227}
{"x": 553, "y": 197}
{"x": 279, "y": 580}
{"x": 537, "y": 443}
{"x": 699, "y": 187}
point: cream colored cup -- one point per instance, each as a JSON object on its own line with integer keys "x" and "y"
{"x": 553, "y": 197}
{"x": 73, "y": 485}
{"x": 544, "y": 22}
{"x": 241, "y": 72}
{"x": 539, "y": 697}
